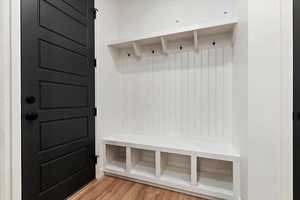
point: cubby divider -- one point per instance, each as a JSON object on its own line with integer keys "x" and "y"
{"x": 200, "y": 173}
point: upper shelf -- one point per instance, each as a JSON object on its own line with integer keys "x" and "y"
{"x": 182, "y": 33}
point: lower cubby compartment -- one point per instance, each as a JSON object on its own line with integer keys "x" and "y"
{"x": 142, "y": 162}
{"x": 115, "y": 158}
{"x": 215, "y": 174}
{"x": 208, "y": 176}
{"x": 176, "y": 168}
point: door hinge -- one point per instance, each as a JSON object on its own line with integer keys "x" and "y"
{"x": 95, "y": 62}
{"x": 95, "y": 112}
{"x": 95, "y": 11}
{"x": 96, "y": 159}
{"x": 293, "y": 115}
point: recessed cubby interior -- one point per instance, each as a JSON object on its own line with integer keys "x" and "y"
{"x": 215, "y": 173}
{"x": 115, "y": 157}
{"x": 143, "y": 162}
{"x": 176, "y": 168}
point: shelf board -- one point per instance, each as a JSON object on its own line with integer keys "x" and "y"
{"x": 176, "y": 175}
{"x": 144, "y": 168}
{"x": 189, "y": 31}
{"x": 215, "y": 182}
{"x": 206, "y": 149}
{"x": 116, "y": 166}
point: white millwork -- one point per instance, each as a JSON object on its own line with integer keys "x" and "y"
{"x": 167, "y": 96}
{"x": 191, "y": 169}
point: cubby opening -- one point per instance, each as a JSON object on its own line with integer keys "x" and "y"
{"x": 176, "y": 168}
{"x": 143, "y": 162}
{"x": 115, "y": 158}
{"x": 215, "y": 173}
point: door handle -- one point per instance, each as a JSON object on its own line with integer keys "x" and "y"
{"x": 31, "y": 116}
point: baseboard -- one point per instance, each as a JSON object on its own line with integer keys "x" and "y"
{"x": 99, "y": 172}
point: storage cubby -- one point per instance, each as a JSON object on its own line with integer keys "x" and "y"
{"x": 115, "y": 158}
{"x": 176, "y": 168}
{"x": 142, "y": 162}
{"x": 215, "y": 174}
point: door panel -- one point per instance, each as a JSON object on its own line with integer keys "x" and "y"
{"x": 67, "y": 165}
{"x": 58, "y": 122}
{"x": 74, "y": 129}
{"x": 62, "y": 95}
{"x": 78, "y": 5}
{"x": 62, "y": 23}
{"x": 60, "y": 59}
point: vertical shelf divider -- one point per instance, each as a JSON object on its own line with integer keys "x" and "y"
{"x": 236, "y": 179}
{"x": 157, "y": 164}
{"x": 164, "y": 45}
{"x": 196, "y": 43}
{"x": 128, "y": 159}
{"x": 194, "y": 170}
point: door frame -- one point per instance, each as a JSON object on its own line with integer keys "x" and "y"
{"x": 10, "y": 75}
{"x": 11, "y": 78}
{"x": 12, "y": 93}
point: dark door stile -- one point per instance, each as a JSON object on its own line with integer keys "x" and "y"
{"x": 58, "y": 97}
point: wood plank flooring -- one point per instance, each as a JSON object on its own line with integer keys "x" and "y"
{"x": 110, "y": 188}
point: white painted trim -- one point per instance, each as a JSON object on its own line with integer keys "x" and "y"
{"x": 286, "y": 169}
{"x": 11, "y": 93}
{"x": 227, "y": 24}
{"x": 15, "y": 42}
{"x": 5, "y": 100}
{"x": 98, "y": 37}
{"x": 173, "y": 181}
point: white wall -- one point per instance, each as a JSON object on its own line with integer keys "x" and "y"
{"x": 186, "y": 94}
{"x": 264, "y": 100}
{"x": 106, "y": 97}
{"x": 1, "y": 103}
{"x": 4, "y": 101}
{"x": 10, "y": 103}
{"x": 286, "y": 173}
{"x": 154, "y": 78}
{"x": 137, "y": 17}
{"x": 240, "y": 93}
{"x": 5, "y": 153}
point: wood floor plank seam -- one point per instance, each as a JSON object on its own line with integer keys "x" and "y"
{"x": 111, "y": 188}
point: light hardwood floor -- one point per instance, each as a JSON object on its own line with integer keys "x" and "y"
{"x": 110, "y": 188}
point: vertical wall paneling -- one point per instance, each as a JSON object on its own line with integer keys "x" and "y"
{"x": 186, "y": 93}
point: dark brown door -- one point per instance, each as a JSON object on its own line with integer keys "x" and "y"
{"x": 58, "y": 122}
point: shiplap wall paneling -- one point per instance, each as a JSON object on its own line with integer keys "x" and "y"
{"x": 185, "y": 94}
